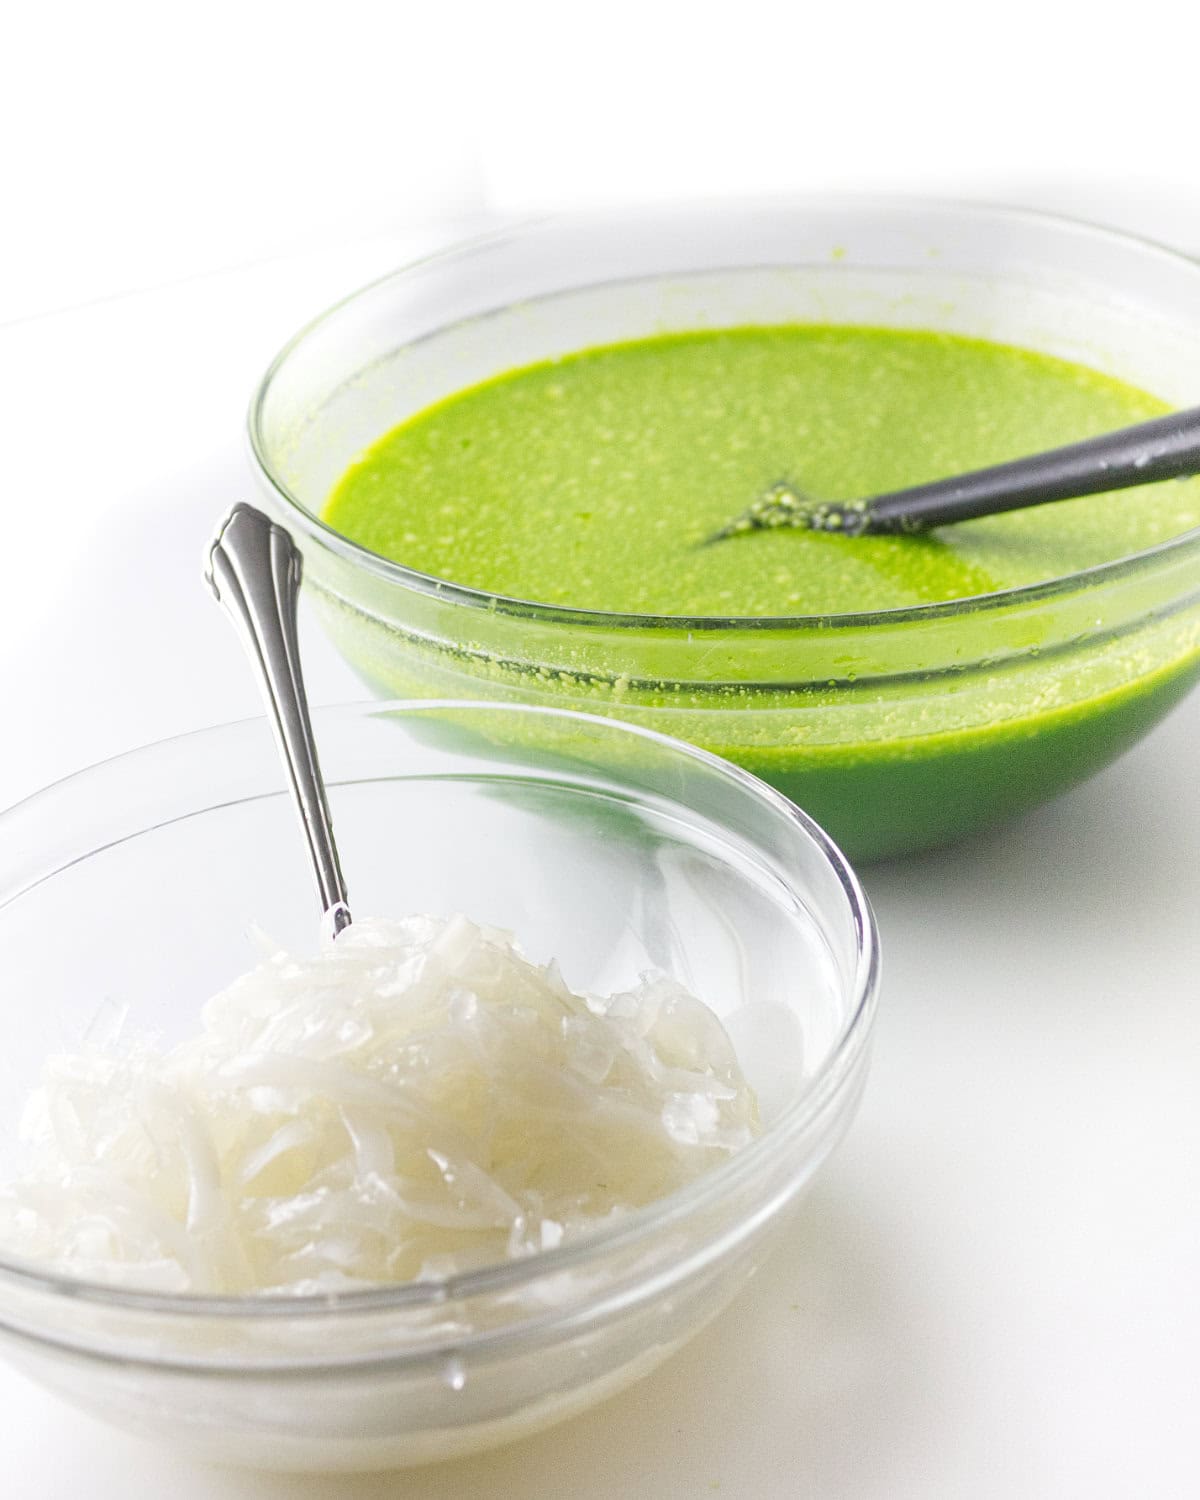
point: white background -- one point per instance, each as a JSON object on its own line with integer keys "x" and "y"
{"x": 994, "y": 1293}
{"x": 143, "y": 142}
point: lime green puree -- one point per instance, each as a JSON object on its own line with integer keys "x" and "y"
{"x": 590, "y": 482}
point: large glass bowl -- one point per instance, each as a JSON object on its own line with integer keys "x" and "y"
{"x": 895, "y": 729}
{"x": 611, "y": 849}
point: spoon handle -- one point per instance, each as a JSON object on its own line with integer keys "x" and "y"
{"x": 254, "y": 571}
{"x": 1165, "y": 448}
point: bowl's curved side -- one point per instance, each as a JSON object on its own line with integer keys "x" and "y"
{"x": 1003, "y": 700}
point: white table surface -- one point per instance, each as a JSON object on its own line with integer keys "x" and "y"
{"x": 993, "y": 1291}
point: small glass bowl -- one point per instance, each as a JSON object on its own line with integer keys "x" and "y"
{"x": 896, "y": 729}
{"x": 609, "y": 848}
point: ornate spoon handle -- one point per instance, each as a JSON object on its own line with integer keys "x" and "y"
{"x": 254, "y": 571}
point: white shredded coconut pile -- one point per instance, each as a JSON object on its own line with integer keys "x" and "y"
{"x": 418, "y": 1099}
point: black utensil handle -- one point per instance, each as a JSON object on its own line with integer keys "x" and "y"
{"x": 1165, "y": 448}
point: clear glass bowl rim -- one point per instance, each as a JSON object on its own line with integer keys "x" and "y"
{"x": 447, "y": 590}
{"x": 639, "y": 1224}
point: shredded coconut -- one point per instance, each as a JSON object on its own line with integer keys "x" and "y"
{"x": 418, "y": 1099}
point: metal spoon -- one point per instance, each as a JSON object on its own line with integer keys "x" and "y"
{"x": 1165, "y": 448}
{"x": 254, "y": 571}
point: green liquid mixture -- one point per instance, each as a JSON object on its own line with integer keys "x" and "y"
{"x": 589, "y": 482}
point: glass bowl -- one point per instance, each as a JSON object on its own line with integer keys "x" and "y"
{"x": 895, "y": 729}
{"x": 609, "y": 848}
